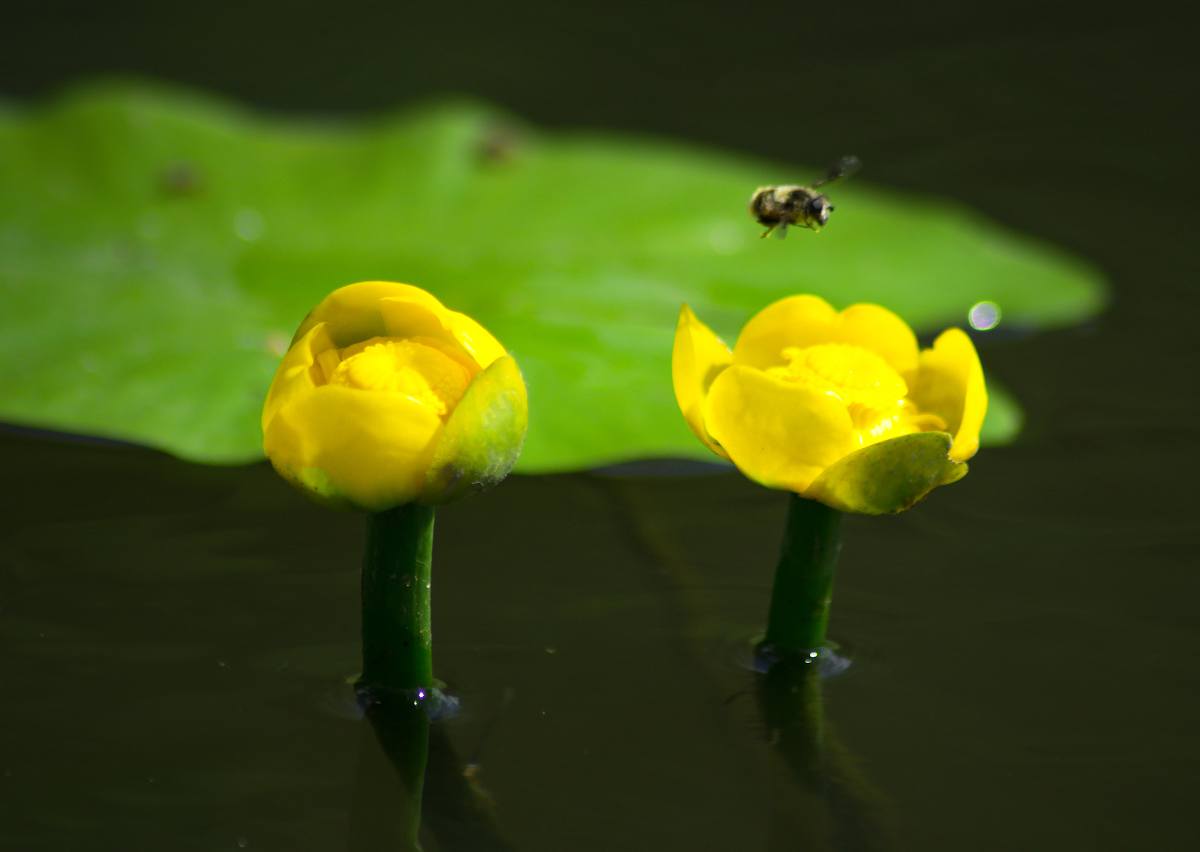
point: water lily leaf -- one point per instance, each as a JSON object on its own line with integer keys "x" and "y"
{"x": 158, "y": 248}
{"x": 1004, "y": 418}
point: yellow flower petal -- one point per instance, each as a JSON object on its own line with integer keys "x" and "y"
{"x": 352, "y": 312}
{"x": 698, "y": 357}
{"x": 408, "y": 366}
{"x": 950, "y": 384}
{"x": 890, "y": 476}
{"x": 800, "y": 321}
{"x": 779, "y": 434}
{"x": 476, "y": 339}
{"x": 483, "y": 436}
{"x": 369, "y": 449}
{"x": 794, "y": 321}
{"x": 294, "y": 375}
{"x": 878, "y": 329}
{"x": 410, "y": 317}
{"x": 389, "y": 309}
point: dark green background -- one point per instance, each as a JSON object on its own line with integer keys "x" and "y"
{"x": 174, "y": 638}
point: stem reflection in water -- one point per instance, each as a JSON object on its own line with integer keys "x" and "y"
{"x": 837, "y": 808}
{"x": 819, "y": 800}
{"x": 393, "y": 752}
{"x": 412, "y": 786}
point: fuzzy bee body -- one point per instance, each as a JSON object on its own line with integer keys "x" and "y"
{"x": 802, "y": 206}
{"x": 779, "y": 206}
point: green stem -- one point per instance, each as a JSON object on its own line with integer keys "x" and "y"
{"x": 397, "y": 637}
{"x": 803, "y": 586}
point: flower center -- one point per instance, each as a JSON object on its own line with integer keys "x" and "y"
{"x": 872, "y": 391}
{"x": 402, "y": 366}
{"x": 850, "y": 373}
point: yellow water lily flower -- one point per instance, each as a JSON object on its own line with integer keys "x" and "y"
{"x": 840, "y": 407}
{"x": 387, "y": 397}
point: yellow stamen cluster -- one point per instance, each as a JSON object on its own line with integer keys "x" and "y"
{"x": 399, "y": 366}
{"x": 874, "y": 393}
{"x": 849, "y": 373}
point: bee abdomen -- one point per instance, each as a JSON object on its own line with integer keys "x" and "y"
{"x": 764, "y": 206}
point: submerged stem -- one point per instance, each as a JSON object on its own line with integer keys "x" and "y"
{"x": 397, "y": 634}
{"x": 803, "y": 586}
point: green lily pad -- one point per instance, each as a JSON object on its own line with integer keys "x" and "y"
{"x": 158, "y": 248}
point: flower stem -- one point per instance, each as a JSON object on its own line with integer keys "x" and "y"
{"x": 803, "y": 586}
{"x": 397, "y": 637}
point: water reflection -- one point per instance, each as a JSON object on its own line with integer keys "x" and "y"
{"x": 822, "y": 801}
{"x": 393, "y": 751}
{"x": 622, "y": 739}
{"x": 818, "y": 799}
{"x": 413, "y": 792}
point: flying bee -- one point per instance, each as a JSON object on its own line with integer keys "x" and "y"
{"x": 779, "y": 206}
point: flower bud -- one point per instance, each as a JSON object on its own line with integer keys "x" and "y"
{"x": 387, "y": 397}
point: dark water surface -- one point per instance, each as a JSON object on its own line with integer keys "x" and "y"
{"x": 176, "y": 641}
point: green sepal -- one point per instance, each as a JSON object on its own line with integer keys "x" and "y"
{"x": 483, "y": 437}
{"x": 315, "y": 483}
{"x": 890, "y": 476}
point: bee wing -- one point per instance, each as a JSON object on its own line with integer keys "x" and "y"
{"x": 844, "y": 167}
